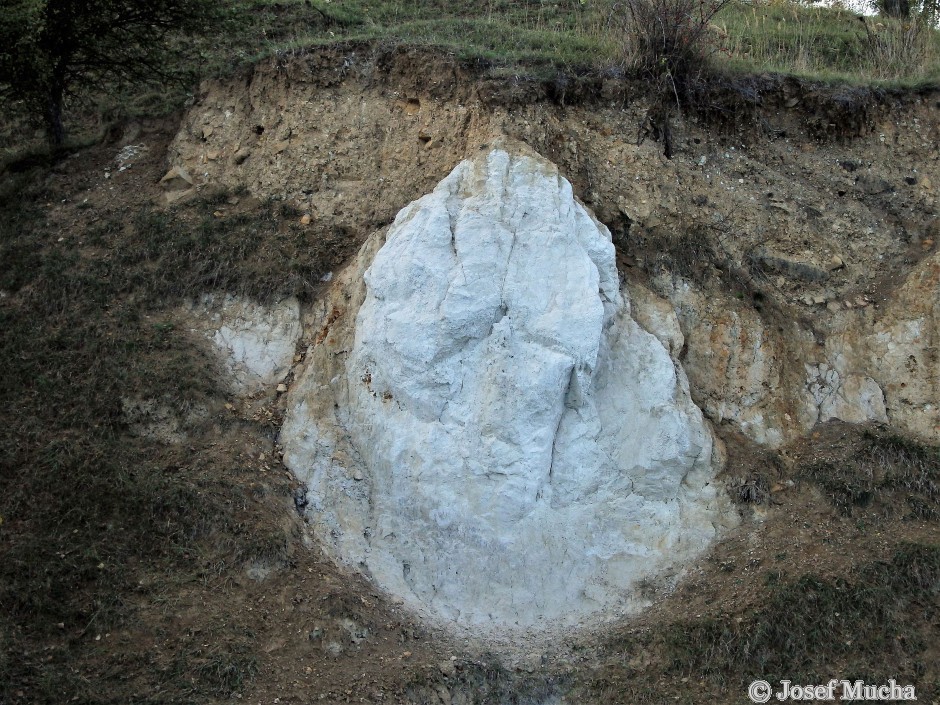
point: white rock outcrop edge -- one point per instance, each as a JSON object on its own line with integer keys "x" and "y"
{"x": 484, "y": 430}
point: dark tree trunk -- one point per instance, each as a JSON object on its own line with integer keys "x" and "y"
{"x": 55, "y": 97}
{"x": 55, "y": 131}
{"x": 897, "y": 8}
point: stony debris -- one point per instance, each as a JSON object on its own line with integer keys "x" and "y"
{"x": 177, "y": 185}
{"x": 177, "y": 179}
{"x": 128, "y": 155}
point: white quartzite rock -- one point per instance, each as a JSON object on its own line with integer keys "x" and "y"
{"x": 255, "y": 343}
{"x": 504, "y": 447}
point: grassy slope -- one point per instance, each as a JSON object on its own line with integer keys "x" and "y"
{"x": 533, "y": 37}
{"x": 832, "y": 44}
{"x": 88, "y": 509}
{"x": 827, "y": 44}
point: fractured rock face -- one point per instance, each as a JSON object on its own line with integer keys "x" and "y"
{"x": 255, "y": 343}
{"x": 733, "y": 362}
{"x": 503, "y": 447}
{"x": 904, "y": 355}
{"x": 776, "y": 383}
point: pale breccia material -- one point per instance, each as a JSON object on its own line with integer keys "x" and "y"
{"x": 255, "y": 343}
{"x": 492, "y": 438}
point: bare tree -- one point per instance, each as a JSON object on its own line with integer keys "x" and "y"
{"x": 50, "y": 49}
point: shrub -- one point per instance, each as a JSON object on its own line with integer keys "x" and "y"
{"x": 668, "y": 43}
{"x": 895, "y": 48}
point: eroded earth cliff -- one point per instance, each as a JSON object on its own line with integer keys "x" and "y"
{"x": 511, "y": 408}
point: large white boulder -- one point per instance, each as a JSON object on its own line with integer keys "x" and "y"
{"x": 491, "y": 436}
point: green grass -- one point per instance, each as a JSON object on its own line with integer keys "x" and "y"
{"x": 779, "y": 37}
{"x": 828, "y": 44}
{"x": 560, "y": 33}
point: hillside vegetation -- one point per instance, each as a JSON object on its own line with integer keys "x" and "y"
{"x": 816, "y": 42}
{"x": 531, "y": 38}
